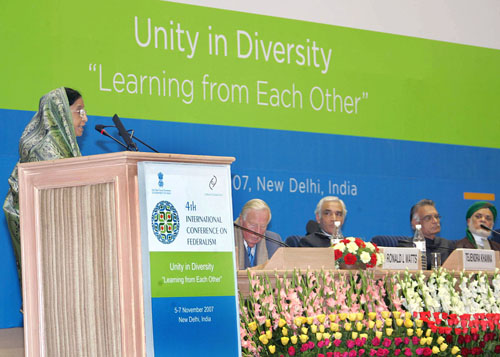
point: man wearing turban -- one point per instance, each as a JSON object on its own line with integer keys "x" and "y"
{"x": 480, "y": 213}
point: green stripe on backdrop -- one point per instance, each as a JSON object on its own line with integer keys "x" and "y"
{"x": 182, "y": 274}
{"x": 373, "y": 84}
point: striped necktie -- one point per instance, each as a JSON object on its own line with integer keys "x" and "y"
{"x": 251, "y": 257}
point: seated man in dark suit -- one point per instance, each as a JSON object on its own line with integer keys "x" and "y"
{"x": 253, "y": 249}
{"x": 328, "y": 210}
{"x": 480, "y": 213}
{"x": 424, "y": 213}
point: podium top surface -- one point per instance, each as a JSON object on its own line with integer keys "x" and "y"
{"x": 131, "y": 157}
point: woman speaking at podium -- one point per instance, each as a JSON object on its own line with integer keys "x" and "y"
{"x": 50, "y": 135}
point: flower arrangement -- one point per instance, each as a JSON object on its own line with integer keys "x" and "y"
{"x": 335, "y": 314}
{"x": 355, "y": 252}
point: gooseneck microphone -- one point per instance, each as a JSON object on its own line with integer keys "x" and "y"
{"x": 489, "y": 229}
{"x": 124, "y": 134}
{"x": 283, "y": 244}
{"x": 100, "y": 129}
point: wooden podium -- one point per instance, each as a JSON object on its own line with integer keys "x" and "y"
{"x": 81, "y": 254}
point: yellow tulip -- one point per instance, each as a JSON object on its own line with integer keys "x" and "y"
{"x": 352, "y": 316}
{"x": 429, "y": 340}
{"x": 326, "y": 336}
{"x": 334, "y": 327}
{"x": 310, "y": 320}
{"x": 371, "y": 324}
{"x": 284, "y": 331}
{"x": 372, "y": 315}
{"x": 388, "y": 322}
{"x": 378, "y": 334}
{"x": 284, "y": 341}
{"x": 304, "y": 330}
{"x": 321, "y": 328}
{"x": 272, "y": 349}
{"x": 440, "y": 340}
{"x": 269, "y": 334}
{"x": 354, "y": 335}
{"x": 298, "y": 321}
{"x": 342, "y": 316}
{"x": 409, "y": 332}
{"x": 360, "y": 316}
{"x": 294, "y": 339}
{"x": 319, "y": 336}
{"x": 419, "y": 323}
{"x": 303, "y": 338}
{"x": 419, "y": 332}
{"x": 332, "y": 317}
{"x": 379, "y": 324}
{"x": 304, "y": 319}
{"x": 407, "y": 315}
{"x": 389, "y": 331}
{"x": 348, "y": 326}
{"x": 321, "y": 318}
{"x": 455, "y": 350}
{"x": 396, "y": 314}
{"x": 337, "y": 335}
{"x": 443, "y": 347}
{"x": 408, "y": 323}
{"x": 281, "y": 323}
{"x": 385, "y": 314}
{"x": 264, "y": 339}
{"x": 252, "y": 326}
{"x": 423, "y": 340}
{"x": 428, "y": 332}
{"x": 268, "y": 323}
{"x": 363, "y": 335}
{"x": 359, "y": 326}
{"x": 435, "y": 350}
{"x": 399, "y": 322}
{"x": 314, "y": 328}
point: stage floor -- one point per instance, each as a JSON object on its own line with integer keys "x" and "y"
{"x": 11, "y": 342}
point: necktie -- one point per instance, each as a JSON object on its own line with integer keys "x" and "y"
{"x": 251, "y": 257}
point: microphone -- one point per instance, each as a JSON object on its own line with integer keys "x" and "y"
{"x": 124, "y": 134}
{"x": 100, "y": 129}
{"x": 489, "y": 229}
{"x": 283, "y": 244}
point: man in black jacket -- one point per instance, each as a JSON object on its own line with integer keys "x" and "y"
{"x": 425, "y": 213}
{"x": 328, "y": 210}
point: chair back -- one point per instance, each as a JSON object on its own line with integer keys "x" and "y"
{"x": 388, "y": 241}
{"x": 293, "y": 241}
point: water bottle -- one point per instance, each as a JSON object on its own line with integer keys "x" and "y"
{"x": 419, "y": 241}
{"x": 337, "y": 235}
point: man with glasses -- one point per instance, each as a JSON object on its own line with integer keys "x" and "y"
{"x": 424, "y": 213}
{"x": 251, "y": 227}
{"x": 479, "y": 214}
{"x": 329, "y": 210}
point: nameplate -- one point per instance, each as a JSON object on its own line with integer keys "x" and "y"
{"x": 400, "y": 258}
{"x": 479, "y": 259}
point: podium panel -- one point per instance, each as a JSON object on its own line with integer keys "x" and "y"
{"x": 81, "y": 254}
{"x": 80, "y": 276}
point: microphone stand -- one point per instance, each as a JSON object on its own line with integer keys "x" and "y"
{"x": 139, "y": 140}
{"x": 489, "y": 229}
{"x": 283, "y": 244}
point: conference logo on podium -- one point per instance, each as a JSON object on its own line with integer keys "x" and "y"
{"x": 165, "y": 222}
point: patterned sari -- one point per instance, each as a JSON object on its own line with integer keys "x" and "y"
{"x": 49, "y": 135}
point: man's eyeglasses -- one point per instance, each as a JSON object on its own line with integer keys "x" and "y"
{"x": 82, "y": 112}
{"x": 486, "y": 217}
{"x": 429, "y": 217}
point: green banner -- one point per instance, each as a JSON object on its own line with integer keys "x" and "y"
{"x": 189, "y": 274}
{"x": 165, "y": 61}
